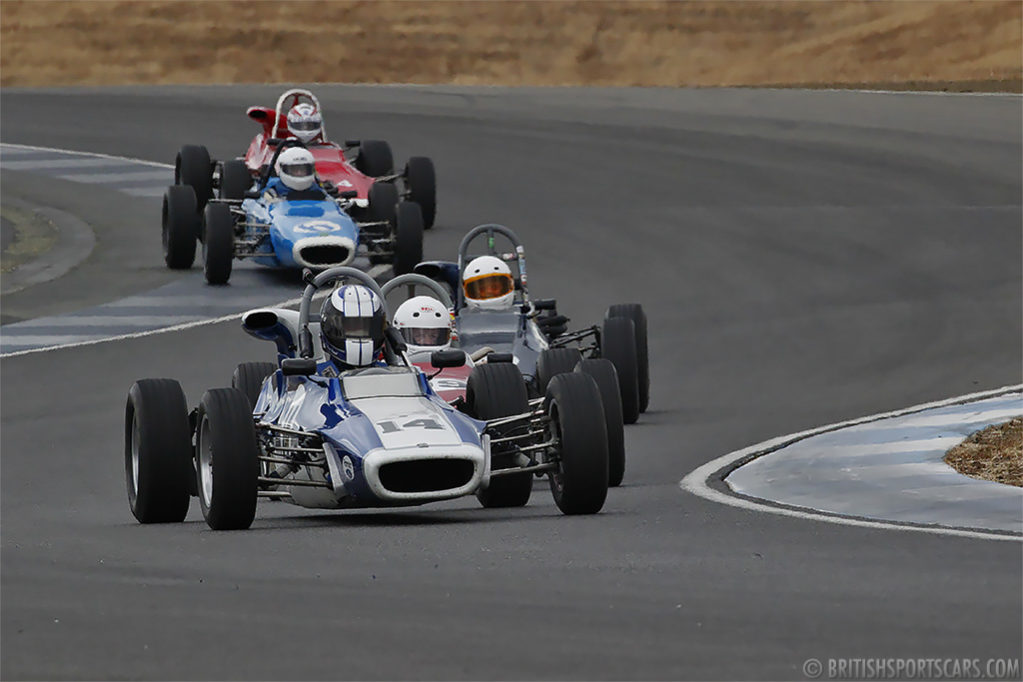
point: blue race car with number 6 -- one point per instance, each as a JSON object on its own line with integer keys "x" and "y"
{"x": 311, "y": 228}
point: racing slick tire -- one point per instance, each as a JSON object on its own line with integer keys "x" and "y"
{"x": 180, "y": 227}
{"x": 235, "y": 179}
{"x": 226, "y": 459}
{"x": 375, "y": 158}
{"x": 552, "y": 362}
{"x": 634, "y": 312}
{"x": 618, "y": 344}
{"x": 157, "y": 445}
{"x": 217, "y": 243}
{"x": 408, "y": 237}
{"x": 421, "y": 181}
{"x": 604, "y": 374}
{"x": 193, "y": 167}
{"x": 498, "y": 391}
{"x": 579, "y": 484}
{"x": 383, "y": 202}
{"x": 248, "y": 378}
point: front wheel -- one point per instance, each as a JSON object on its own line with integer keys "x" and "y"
{"x": 408, "y": 237}
{"x": 218, "y": 243}
{"x": 157, "y": 444}
{"x": 498, "y": 391}
{"x": 375, "y": 158}
{"x": 180, "y": 227}
{"x": 421, "y": 181}
{"x": 555, "y": 361}
{"x": 579, "y": 484}
{"x": 235, "y": 179}
{"x": 634, "y": 311}
{"x": 227, "y": 460}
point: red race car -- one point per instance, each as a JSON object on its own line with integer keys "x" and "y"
{"x": 369, "y": 171}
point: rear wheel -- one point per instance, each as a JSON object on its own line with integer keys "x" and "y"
{"x": 157, "y": 451}
{"x": 634, "y": 312}
{"x": 227, "y": 463}
{"x": 579, "y": 484}
{"x": 604, "y": 374}
{"x": 375, "y": 158}
{"x": 498, "y": 391}
{"x": 554, "y": 361}
{"x": 248, "y": 378}
{"x": 193, "y": 167}
{"x": 235, "y": 179}
{"x": 421, "y": 181}
{"x": 408, "y": 237}
{"x": 618, "y": 344}
{"x": 383, "y": 202}
{"x": 180, "y": 227}
{"x": 218, "y": 243}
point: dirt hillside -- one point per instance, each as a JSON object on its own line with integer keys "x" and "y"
{"x": 955, "y": 44}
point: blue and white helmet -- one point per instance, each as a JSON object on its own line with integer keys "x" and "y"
{"x": 352, "y": 325}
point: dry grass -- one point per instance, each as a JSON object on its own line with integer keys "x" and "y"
{"x": 929, "y": 44}
{"x": 994, "y": 454}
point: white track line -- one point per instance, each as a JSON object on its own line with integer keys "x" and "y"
{"x": 696, "y": 482}
{"x": 24, "y": 148}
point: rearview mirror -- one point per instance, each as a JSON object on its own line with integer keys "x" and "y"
{"x": 291, "y": 367}
{"x": 349, "y": 194}
{"x": 545, "y": 304}
{"x": 442, "y": 359}
{"x": 274, "y": 141}
{"x": 352, "y": 143}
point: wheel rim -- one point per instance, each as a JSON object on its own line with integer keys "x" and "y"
{"x": 205, "y": 449}
{"x": 135, "y": 446}
{"x": 557, "y": 482}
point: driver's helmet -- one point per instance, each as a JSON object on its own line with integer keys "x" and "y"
{"x": 424, "y": 323}
{"x": 487, "y": 283}
{"x": 296, "y": 168}
{"x": 305, "y": 122}
{"x": 352, "y": 326}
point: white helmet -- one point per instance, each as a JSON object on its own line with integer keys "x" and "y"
{"x": 352, "y": 326}
{"x": 296, "y": 168}
{"x": 305, "y": 122}
{"x": 424, "y": 323}
{"x": 487, "y": 283}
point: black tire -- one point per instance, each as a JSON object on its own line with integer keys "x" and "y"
{"x": 193, "y": 167}
{"x": 375, "y": 158}
{"x": 383, "y": 202}
{"x": 634, "y": 312}
{"x": 606, "y": 378}
{"x": 618, "y": 344}
{"x": 552, "y": 362}
{"x": 179, "y": 227}
{"x": 421, "y": 181}
{"x": 498, "y": 391}
{"x": 218, "y": 243}
{"x": 157, "y": 451}
{"x": 235, "y": 179}
{"x": 408, "y": 237}
{"x": 226, "y": 463}
{"x": 579, "y": 485}
{"x": 248, "y": 378}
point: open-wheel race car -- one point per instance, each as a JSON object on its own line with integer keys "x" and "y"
{"x": 312, "y": 228}
{"x": 305, "y": 431}
{"x": 368, "y": 171}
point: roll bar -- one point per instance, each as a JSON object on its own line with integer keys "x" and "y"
{"x": 411, "y": 280}
{"x": 296, "y": 93}
{"x": 305, "y": 338}
{"x": 490, "y": 229}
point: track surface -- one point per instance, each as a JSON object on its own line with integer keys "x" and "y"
{"x": 805, "y": 257}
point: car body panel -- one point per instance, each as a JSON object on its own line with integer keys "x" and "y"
{"x": 297, "y": 225}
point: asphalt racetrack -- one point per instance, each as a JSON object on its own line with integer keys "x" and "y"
{"x": 804, "y": 257}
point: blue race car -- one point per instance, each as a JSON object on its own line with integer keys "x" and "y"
{"x": 309, "y": 229}
{"x": 379, "y": 436}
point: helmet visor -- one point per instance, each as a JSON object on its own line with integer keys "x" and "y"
{"x": 485, "y": 287}
{"x": 304, "y": 126}
{"x": 419, "y": 336}
{"x": 337, "y": 328}
{"x": 298, "y": 170}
